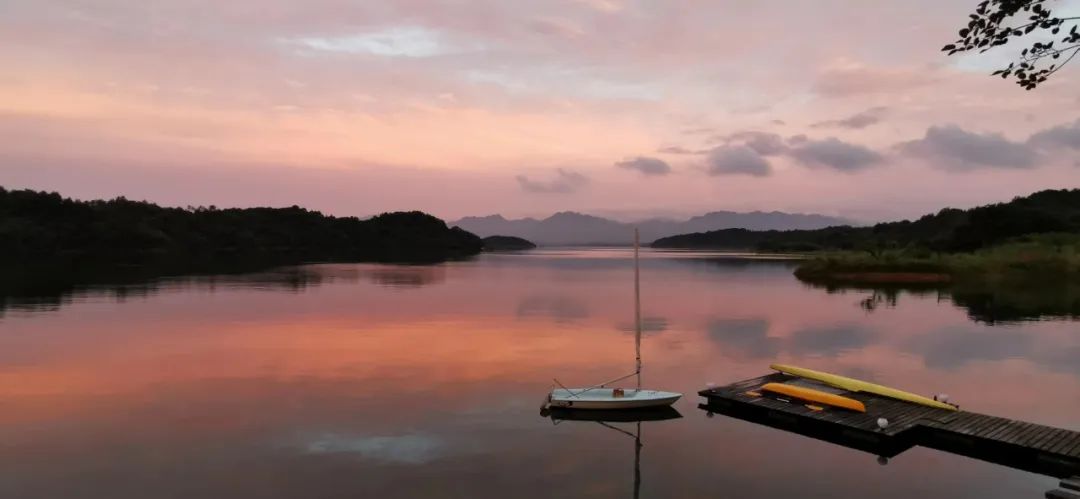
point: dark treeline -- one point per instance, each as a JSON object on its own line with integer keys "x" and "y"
{"x": 949, "y": 230}
{"x": 47, "y": 226}
{"x": 507, "y": 243}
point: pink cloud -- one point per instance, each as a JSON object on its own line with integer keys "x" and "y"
{"x": 477, "y": 95}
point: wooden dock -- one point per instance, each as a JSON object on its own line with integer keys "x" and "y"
{"x": 1017, "y": 444}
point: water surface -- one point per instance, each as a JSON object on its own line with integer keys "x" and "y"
{"x": 365, "y": 380}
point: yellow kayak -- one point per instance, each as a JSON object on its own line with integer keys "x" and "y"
{"x": 811, "y": 395}
{"x": 860, "y": 386}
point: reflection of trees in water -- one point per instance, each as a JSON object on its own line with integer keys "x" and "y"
{"x": 51, "y": 287}
{"x": 406, "y": 276}
{"x": 879, "y": 297}
{"x": 45, "y": 287}
{"x": 987, "y": 301}
{"x": 1019, "y": 301}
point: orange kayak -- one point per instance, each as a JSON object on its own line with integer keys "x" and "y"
{"x": 811, "y": 395}
{"x": 854, "y": 385}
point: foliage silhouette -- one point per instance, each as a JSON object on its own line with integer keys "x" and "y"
{"x": 949, "y": 230}
{"x": 999, "y": 22}
{"x": 40, "y": 225}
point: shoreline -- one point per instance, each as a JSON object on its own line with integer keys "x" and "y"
{"x": 1012, "y": 262}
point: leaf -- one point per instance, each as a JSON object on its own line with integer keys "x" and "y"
{"x": 948, "y": 47}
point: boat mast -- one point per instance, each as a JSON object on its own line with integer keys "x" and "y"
{"x": 637, "y": 310}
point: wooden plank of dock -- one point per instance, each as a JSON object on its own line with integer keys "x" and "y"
{"x": 1020, "y": 444}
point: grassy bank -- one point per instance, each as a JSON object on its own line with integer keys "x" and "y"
{"x": 1045, "y": 256}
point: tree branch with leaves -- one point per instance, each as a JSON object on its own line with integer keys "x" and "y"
{"x": 999, "y": 22}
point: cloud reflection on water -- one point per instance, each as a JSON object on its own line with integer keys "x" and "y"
{"x": 831, "y": 340}
{"x": 407, "y": 449}
{"x": 748, "y": 337}
{"x": 560, "y": 308}
{"x": 181, "y": 389}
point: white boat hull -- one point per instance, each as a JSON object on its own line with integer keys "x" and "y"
{"x": 609, "y": 398}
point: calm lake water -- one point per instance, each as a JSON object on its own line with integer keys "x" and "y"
{"x": 365, "y": 380}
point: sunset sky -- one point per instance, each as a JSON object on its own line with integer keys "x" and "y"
{"x": 612, "y": 107}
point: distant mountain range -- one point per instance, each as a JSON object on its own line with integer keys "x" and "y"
{"x": 570, "y": 228}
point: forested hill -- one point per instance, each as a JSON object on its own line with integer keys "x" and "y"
{"x": 40, "y": 225}
{"x": 947, "y": 230}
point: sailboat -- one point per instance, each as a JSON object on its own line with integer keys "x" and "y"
{"x": 603, "y": 396}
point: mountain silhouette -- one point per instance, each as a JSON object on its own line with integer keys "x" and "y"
{"x": 572, "y": 228}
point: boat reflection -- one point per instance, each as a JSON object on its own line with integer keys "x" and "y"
{"x": 558, "y": 415}
{"x": 607, "y": 419}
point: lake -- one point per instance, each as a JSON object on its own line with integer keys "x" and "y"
{"x": 385, "y": 381}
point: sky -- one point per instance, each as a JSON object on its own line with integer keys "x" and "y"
{"x": 619, "y": 108}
